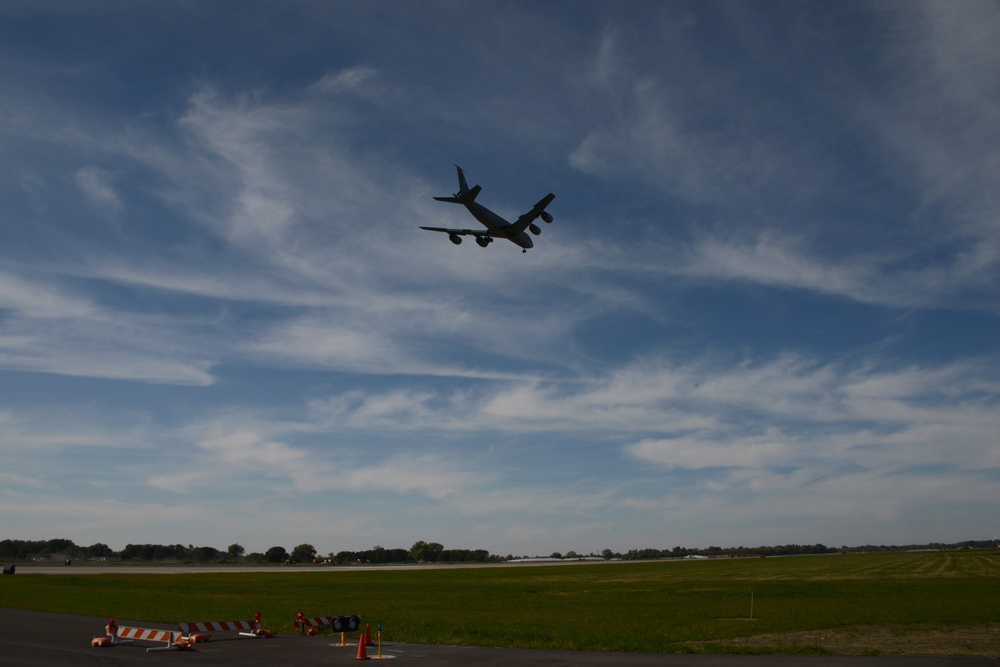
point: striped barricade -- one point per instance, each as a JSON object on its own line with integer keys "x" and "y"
{"x": 338, "y": 623}
{"x": 244, "y": 628}
{"x": 341, "y": 624}
{"x": 126, "y": 635}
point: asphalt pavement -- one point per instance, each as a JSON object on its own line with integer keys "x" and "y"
{"x": 39, "y": 639}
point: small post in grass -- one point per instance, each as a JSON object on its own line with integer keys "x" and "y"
{"x": 380, "y": 656}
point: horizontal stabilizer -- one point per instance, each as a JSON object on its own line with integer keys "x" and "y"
{"x": 462, "y": 197}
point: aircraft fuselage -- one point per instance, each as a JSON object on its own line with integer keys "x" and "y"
{"x": 498, "y": 226}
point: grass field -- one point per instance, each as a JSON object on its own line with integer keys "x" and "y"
{"x": 800, "y": 604}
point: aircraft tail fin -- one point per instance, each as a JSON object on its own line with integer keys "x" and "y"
{"x": 464, "y": 194}
{"x": 463, "y": 187}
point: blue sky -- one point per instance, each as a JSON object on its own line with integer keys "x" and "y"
{"x": 767, "y": 311}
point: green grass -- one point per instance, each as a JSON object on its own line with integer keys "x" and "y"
{"x": 650, "y": 606}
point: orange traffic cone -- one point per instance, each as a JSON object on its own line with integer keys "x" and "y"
{"x": 368, "y": 635}
{"x": 362, "y": 651}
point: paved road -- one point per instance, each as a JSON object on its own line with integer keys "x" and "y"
{"x": 38, "y": 639}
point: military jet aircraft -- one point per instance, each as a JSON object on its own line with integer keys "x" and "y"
{"x": 496, "y": 227}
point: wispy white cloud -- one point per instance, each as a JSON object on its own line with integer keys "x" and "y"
{"x": 936, "y": 117}
{"x": 868, "y": 277}
{"x": 656, "y": 130}
{"x": 54, "y": 329}
{"x": 934, "y": 245}
{"x": 348, "y": 79}
{"x": 96, "y": 184}
{"x": 778, "y": 262}
{"x": 695, "y": 453}
{"x": 47, "y": 433}
{"x": 823, "y": 409}
{"x": 331, "y": 345}
{"x": 103, "y": 344}
{"x": 232, "y": 448}
{"x": 789, "y": 427}
{"x": 36, "y": 299}
{"x": 427, "y": 475}
{"x": 15, "y": 480}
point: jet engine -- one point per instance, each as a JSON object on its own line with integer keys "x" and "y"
{"x": 535, "y": 229}
{"x": 455, "y": 238}
{"x": 483, "y": 241}
{"x": 546, "y": 216}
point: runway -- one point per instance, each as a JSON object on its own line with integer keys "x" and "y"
{"x": 39, "y": 639}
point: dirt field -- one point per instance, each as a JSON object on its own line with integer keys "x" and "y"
{"x": 983, "y": 641}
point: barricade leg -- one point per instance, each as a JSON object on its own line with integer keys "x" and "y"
{"x": 172, "y": 644}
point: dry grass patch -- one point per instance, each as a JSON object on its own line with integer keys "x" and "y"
{"x": 975, "y": 640}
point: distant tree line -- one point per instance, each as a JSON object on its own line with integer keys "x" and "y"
{"x": 420, "y": 552}
{"x": 303, "y": 553}
{"x": 933, "y": 546}
{"x": 23, "y": 549}
{"x": 731, "y": 552}
{"x": 792, "y": 550}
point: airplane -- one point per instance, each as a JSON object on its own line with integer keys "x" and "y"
{"x": 495, "y": 225}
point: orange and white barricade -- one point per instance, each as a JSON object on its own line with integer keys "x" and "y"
{"x": 341, "y": 624}
{"x": 171, "y": 639}
{"x": 243, "y": 628}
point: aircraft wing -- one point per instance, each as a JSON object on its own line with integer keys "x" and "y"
{"x": 522, "y": 223}
{"x": 458, "y": 232}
